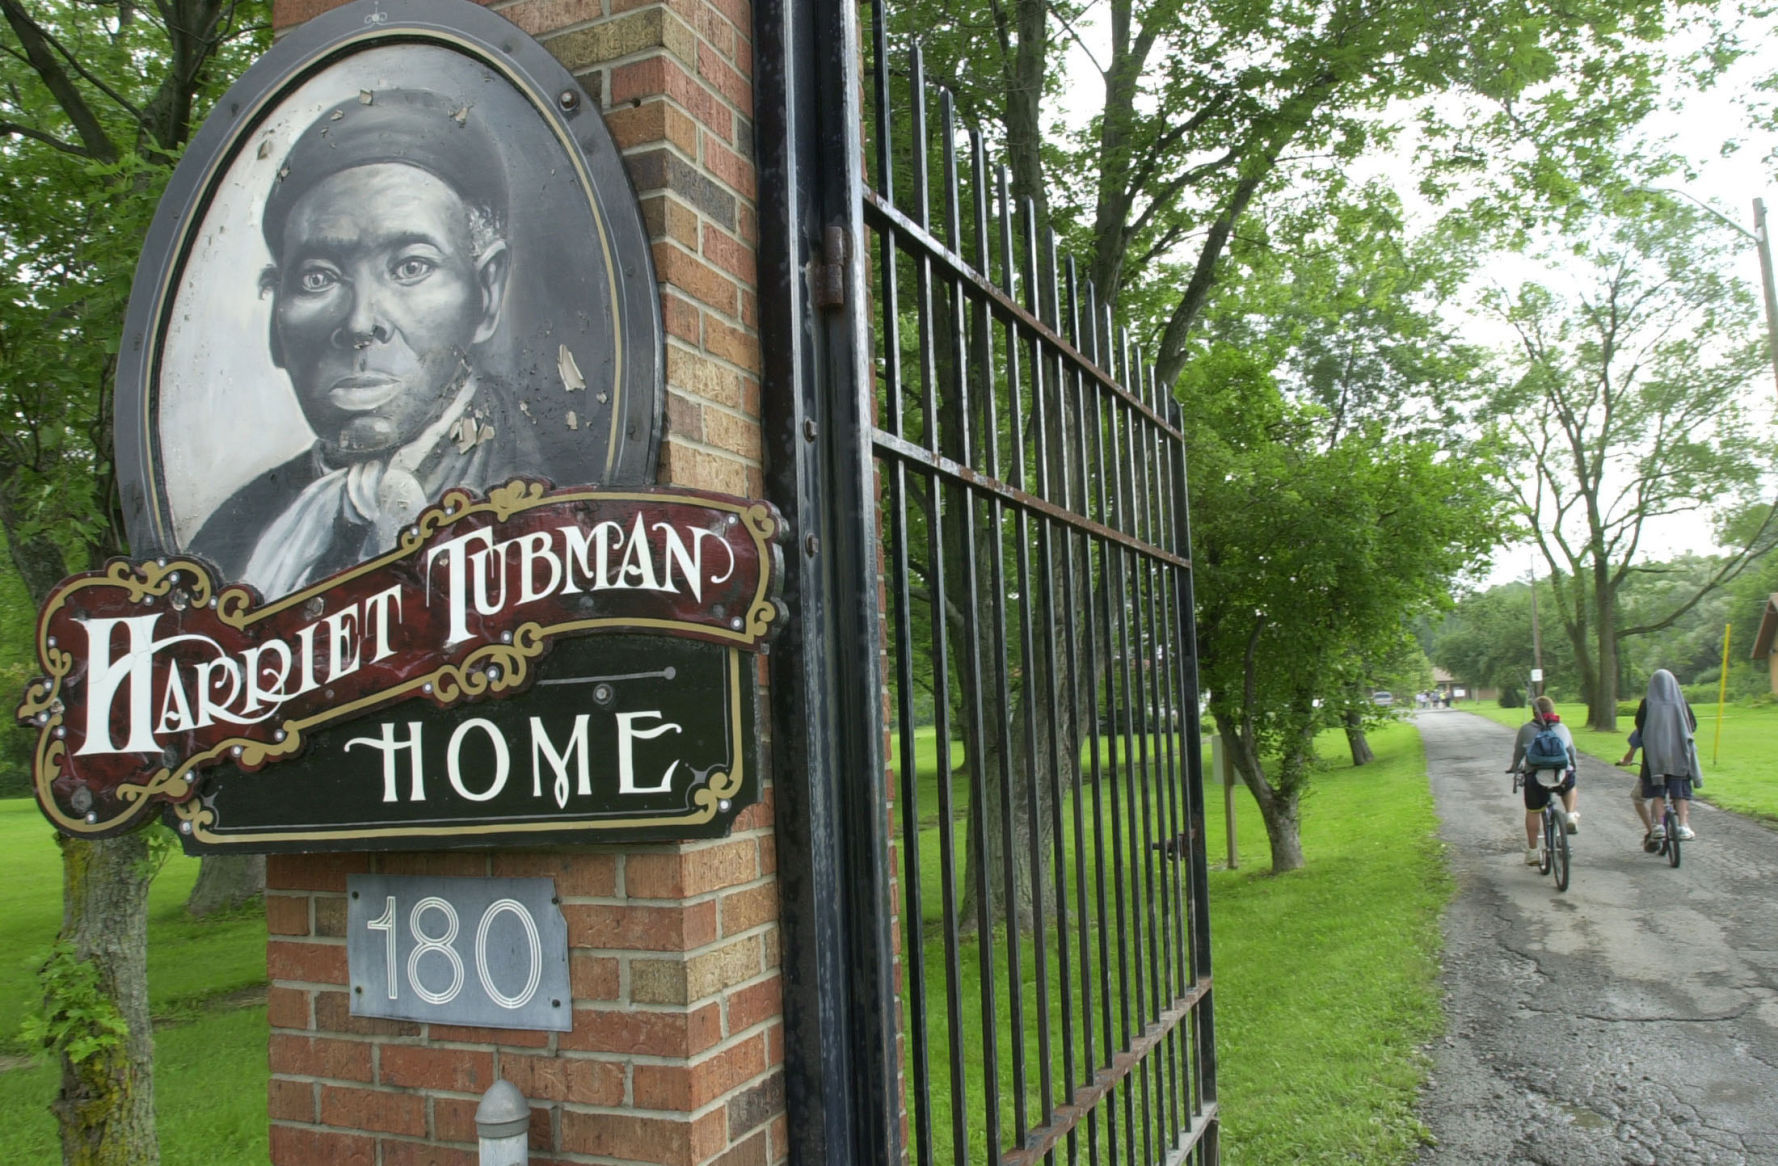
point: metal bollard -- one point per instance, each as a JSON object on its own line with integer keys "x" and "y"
{"x": 503, "y": 1123}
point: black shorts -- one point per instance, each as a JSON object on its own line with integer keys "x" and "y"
{"x": 1537, "y": 795}
{"x": 1677, "y": 789}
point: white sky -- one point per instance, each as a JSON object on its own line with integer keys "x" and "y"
{"x": 1696, "y": 126}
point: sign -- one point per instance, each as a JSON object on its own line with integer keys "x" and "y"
{"x": 486, "y": 953}
{"x": 1537, "y": 676}
{"x": 389, "y": 400}
{"x": 401, "y": 256}
{"x": 155, "y": 676}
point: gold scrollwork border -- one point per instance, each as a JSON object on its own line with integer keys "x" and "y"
{"x": 491, "y": 668}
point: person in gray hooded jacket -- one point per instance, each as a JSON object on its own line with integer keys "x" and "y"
{"x": 1665, "y": 732}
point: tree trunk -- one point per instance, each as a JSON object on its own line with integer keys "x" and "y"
{"x": 1602, "y": 697}
{"x": 1278, "y": 808}
{"x": 226, "y": 881}
{"x": 1356, "y": 741}
{"x": 105, "y": 1107}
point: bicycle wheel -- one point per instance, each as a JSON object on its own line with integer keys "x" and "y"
{"x": 1672, "y": 822}
{"x": 1550, "y": 832}
{"x": 1558, "y": 847}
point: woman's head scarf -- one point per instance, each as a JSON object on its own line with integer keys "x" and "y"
{"x": 1667, "y": 730}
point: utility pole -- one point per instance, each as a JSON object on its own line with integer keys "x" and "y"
{"x": 1763, "y": 241}
{"x": 1536, "y": 642}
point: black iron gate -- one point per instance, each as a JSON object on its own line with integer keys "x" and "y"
{"x": 986, "y": 733}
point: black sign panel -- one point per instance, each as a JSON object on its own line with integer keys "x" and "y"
{"x": 622, "y": 738}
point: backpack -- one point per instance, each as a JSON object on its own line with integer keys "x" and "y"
{"x": 1546, "y": 751}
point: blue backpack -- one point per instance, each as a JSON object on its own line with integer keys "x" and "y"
{"x": 1546, "y": 751}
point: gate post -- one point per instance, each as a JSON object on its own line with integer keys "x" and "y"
{"x": 678, "y": 1038}
{"x": 842, "y": 1066}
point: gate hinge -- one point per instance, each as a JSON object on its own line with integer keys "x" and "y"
{"x": 827, "y": 275}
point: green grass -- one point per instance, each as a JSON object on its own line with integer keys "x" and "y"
{"x": 1741, "y": 777}
{"x": 210, "y": 1059}
{"x": 1326, "y": 977}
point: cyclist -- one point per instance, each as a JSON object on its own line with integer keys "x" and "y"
{"x": 1537, "y": 795}
{"x": 1664, "y": 732}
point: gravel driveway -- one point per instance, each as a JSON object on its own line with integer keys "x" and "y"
{"x": 1633, "y": 1019}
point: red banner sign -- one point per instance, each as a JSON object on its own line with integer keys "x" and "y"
{"x": 153, "y": 673}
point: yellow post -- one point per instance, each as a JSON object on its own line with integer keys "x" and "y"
{"x": 1722, "y": 691}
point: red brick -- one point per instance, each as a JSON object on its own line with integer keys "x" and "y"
{"x": 690, "y": 1087}
{"x": 685, "y": 873}
{"x": 712, "y": 29}
{"x": 313, "y": 872}
{"x": 287, "y": 914}
{"x": 653, "y": 121}
{"x": 668, "y": 218}
{"x": 330, "y": 916}
{"x": 731, "y": 255}
{"x": 751, "y": 1152}
{"x": 638, "y": 1031}
{"x": 696, "y": 278}
{"x": 287, "y": 1007}
{"x": 420, "y": 1154}
{"x": 592, "y": 977}
{"x": 631, "y": 928}
{"x": 643, "y": 1139}
{"x": 685, "y": 418}
{"x": 333, "y": 1013}
{"x": 768, "y": 854}
{"x": 427, "y": 1067}
{"x": 297, "y": 1146}
{"x": 684, "y": 465}
{"x": 739, "y": 436}
{"x": 290, "y": 1100}
{"x": 288, "y": 13}
{"x": 741, "y": 910}
{"x": 304, "y": 1056}
{"x": 315, "y": 963}
{"x": 436, "y": 863}
{"x": 722, "y": 77}
{"x": 453, "y": 1120}
{"x": 731, "y": 168}
{"x": 731, "y": 344}
{"x": 517, "y": 1037}
{"x": 639, "y": 80}
{"x": 538, "y": 17}
{"x": 376, "y": 1110}
{"x": 576, "y": 875}
{"x": 580, "y": 1080}
{"x": 681, "y": 318}
{"x": 739, "y": 12}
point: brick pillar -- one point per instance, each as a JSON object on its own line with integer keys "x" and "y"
{"x": 676, "y": 1052}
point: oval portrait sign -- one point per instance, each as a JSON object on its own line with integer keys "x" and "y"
{"x": 402, "y": 256}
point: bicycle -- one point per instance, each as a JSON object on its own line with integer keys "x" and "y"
{"x": 1669, "y": 843}
{"x": 1553, "y": 859}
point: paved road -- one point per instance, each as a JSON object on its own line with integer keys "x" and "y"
{"x": 1633, "y": 1019}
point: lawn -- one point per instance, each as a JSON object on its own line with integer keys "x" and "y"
{"x": 1738, "y": 770}
{"x": 210, "y": 1031}
{"x": 1326, "y": 981}
{"x": 1327, "y": 978}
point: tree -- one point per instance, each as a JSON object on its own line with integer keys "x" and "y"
{"x": 1309, "y": 559}
{"x": 1626, "y": 406}
{"x": 96, "y": 101}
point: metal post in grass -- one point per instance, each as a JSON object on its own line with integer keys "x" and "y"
{"x": 1223, "y": 765}
{"x": 503, "y": 1125}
